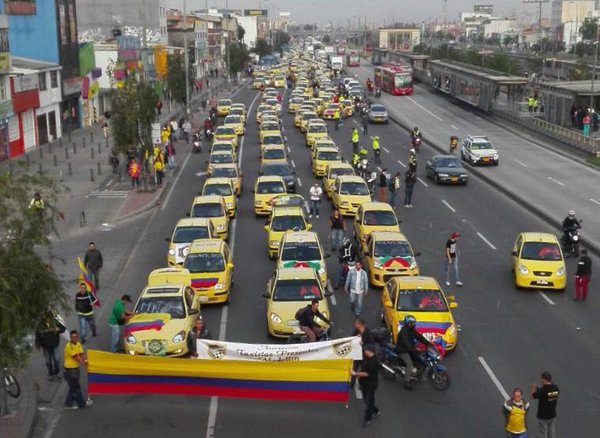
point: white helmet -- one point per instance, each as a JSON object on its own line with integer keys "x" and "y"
{"x": 572, "y": 213}
{"x": 412, "y": 150}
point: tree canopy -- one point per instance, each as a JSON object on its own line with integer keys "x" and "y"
{"x": 176, "y": 78}
{"x": 589, "y": 29}
{"x": 238, "y": 57}
{"x": 262, "y": 47}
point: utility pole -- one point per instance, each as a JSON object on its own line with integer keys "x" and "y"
{"x": 445, "y": 15}
{"x": 186, "y": 60}
{"x": 540, "y": 4}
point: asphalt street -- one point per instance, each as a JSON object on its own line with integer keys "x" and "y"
{"x": 506, "y": 336}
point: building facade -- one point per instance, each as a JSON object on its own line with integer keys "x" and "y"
{"x": 6, "y": 109}
{"x": 399, "y": 39}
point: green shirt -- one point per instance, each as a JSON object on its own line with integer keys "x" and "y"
{"x": 117, "y": 313}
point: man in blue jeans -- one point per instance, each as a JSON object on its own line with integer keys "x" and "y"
{"x": 452, "y": 259}
{"x": 357, "y": 285}
{"x": 117, "y": 318}
{"x": 74, "y": 357}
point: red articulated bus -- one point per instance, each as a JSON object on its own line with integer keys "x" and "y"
{"x": 352, "y": 59}
{"x": 394, "y": 79}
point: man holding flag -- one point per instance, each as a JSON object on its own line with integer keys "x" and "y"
{"x": 86, "y": 279}
{"x": 84, "y": 305}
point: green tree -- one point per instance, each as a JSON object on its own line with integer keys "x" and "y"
{"x": 280, "y": 40}
{"x": 580, "y": 72}
{"x": 240, "y": 33}
{"x": 326, "y": 39}
{"x": 176, "y": 78}
{"x": 589, "y": 29}
{"x": 29, "y": 287}
{"x": 238, "y": 57}
{"x": 262, "y": 47}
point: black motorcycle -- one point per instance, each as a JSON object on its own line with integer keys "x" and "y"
{"x": 571, "y": 240}
{"x": 196, "y": 143}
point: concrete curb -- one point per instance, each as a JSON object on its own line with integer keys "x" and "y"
{"x": 30, "y": 412}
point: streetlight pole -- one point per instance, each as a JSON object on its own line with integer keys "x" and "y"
{"x": 594, "y": 72}
{"x": 186, "y": 60}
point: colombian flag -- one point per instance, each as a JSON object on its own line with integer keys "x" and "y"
{"x": 84, "y": 277}
{"x": 146, "y": 321}
{"x": 319, "y": 380}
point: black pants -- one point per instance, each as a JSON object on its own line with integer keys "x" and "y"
{"x": 377, "y": 156}
{"x": 159, "y": 178}
{"x": 369, "y": 398}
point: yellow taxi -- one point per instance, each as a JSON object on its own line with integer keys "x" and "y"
{"x": 223, "y": 106}
{"x": 319, "y": 105}
{"x": 347, "y": 107}
{"x": 538, "y": 262}
{"x": 258, "y": 82}
{"x": 221, "y": 157}
{"x": 221, "y": 187}
{"x": 332, "y": 171}
{"x": 210, "y": 263}
{"x": 222, "y": 146}
{"x": 272, "y": 153}
{"x": 265, "y": 189}
{"x": 224, "y": 133}
{"x": 163, "y": 315}
{"x": 302, "y": 249}
{"x": 230, "y": 171}
{"x": 269, "y": 127}
{"x": 186, "y": 231}
{"x": 215, "y": 209}
{"x": 272, "y": 102}
{"x": 307, "y": 116}
{"x": 423, "y": 298}
{"x": 321, "y": 157}
{"x": 283, "y": 219}
{"x": 294, "y": 104}
{"x": 326, "y": 141}
{"x": 289, "y": 290}
{"x": 374, "y": 216}
{"x": 259, "y": 112}
{"x": 235, "y": 122}
{"x": 238, "y": 111}
{"x": 388, "y": 254}
{"x": 330, "y": 110}
{"x": 268, "y": 117}
{"x": 315, "y": 130}
{"x": 298, "y": 117}
{"x": 279, "y": 82}
{"x": 349, "y": 192}
{"x": 271, "y": 140}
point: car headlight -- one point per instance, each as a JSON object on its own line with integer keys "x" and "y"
{"x": 377, "y": 264}
{"x": 413, "y": 265}
{"x": 221, "y": 227}
{"x": 451, "y": 330}
{"x": 258, "y": 203}
{"x": 130, "y": 339}
{"x": 171, "y": 252}
{"x": 273, "y": 243}
{"x": 275, "y": 318}
{"x": 229, "y": 204}
{"x": 463, "y": 175}
{"x": 321, "y": 270}
{"x": 344, "y": 203}
{"x": 523, "y": 269}
{"x": 475, "y": 158}
{"x": 185, "y": 251}
{"x": 219, "y": 286}
{"x": 179, "y": 337}
{"x": 560, "y": 271}
{"x": 445, "y": 175}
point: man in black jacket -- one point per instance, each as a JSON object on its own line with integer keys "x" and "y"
{"x": 47, "y": 338}
{"x": 199, "y": 331}
{"x": 306, "y": 318}
{"x": 583, "y": 276}
{"x": 93, "y": 262}
{"x": 368, "y": 379}
{"x": 406, "y": 347}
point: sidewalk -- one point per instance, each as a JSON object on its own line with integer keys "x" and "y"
{"x": 103, "y": 200}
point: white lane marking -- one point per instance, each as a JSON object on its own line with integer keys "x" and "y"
{"x": 214, "y": 401}
{"x": 288, "y": 149}
{"x": 423, "y": 108}
{"x": 490, "y": 373}
{"x": 449, "y": 206}
{"x": 332, "y": 297}
{"x": 307, "y": 207}
{"x": 110, "y": 182}
{"x": 401, "y": 164}
{"x": 379, "y": 168}
{"x": 357, "y": 392}
{"x": 521, "y": 163}
{"x": 171, "y": 189}
{"x": 486, "y": 241}
{"x": 386, "y": 150}
{"x": 422, "y": 182}
{"x": 293, "y": 164}
{"x": 548, "y": 300}
{"x": 299, "y": 182}
{"x": 454, "y": 127}
{"x": 556, "y": 181}
{"x": 594, "y": 201}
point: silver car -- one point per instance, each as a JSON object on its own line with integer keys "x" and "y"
{"x": 378, "y": 114}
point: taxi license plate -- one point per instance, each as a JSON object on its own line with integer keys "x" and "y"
{"x": 454, "y": 179}
{"x": 486, "y": 159}
{"x": 542, "y": 282}
{"x": 203, "y": 299}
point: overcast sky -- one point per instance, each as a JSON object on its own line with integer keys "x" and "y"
{"x": 377, "y": 12}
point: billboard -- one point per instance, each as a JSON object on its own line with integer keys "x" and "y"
{"x": 256, "y": 12}
{"x": 19, "y": 7}
{"x": 484, "y": 9}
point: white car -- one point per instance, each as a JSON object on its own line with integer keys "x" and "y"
{"x": 477, "y": 149}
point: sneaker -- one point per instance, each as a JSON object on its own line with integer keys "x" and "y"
{"x": 447, "y": 283}
{"x": 406, "y": 206}
{"x": 377, "y": 413}
{"x": 317, "y": 216}
{"x": 409, "y": 205}
{"x": 88, "y": 403}
{"x": 310, "y": 216}
{"x": 459, "y": 283}
{"x": 366, "y": 424}
{"x": 71, "y": 408}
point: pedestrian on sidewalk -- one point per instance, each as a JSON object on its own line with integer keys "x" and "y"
{"x": 368, "y": 380}
{"x": 383, "y": 184}
{"x": 316, "y": 192}
{"x": 180, "y": 127}
{"x": 515, "y": 411}
{"x": 394, "y": 187}
{"x": 164, "y": 135}
{"x": 84, "y": 305}
{"x": 118, "y": 316}
{"x": 174, "y": 127}
{"x": 587, "y": 120}
{"x": 547, "y": 396}
{"x": 337, "y": 228}
{"x": 105, "y": 129}
{"x": 203, "y": 104}
{"x": 357, "y": 285}
{"x": 410, "y": 180}
{"x": 207, "y": 81}
{"x": 158, "y": 106}
{"x": 93, "y": 262}
{"x": 187, "y": 131}
{"x": 47, "y": 338}
{"x": 159, "y": 169}
{"x": 452, "y": 259}
{"x": 74, "y": 357}
{"x": 376, "y": 149}
{"x": 583, "y": 276}
{"x": 171, "y": 155}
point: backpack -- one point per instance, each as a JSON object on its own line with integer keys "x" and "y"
{"x": 300, "y": 314}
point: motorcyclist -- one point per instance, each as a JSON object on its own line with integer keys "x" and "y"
{"x": 306, "y": 319}
{"x": 370, "y": 85}
{"x": 415, "y": 133}
{"x": 453, "y": 143}
{"x": 347, "y": 257}
{"x": 408, "y": 337}
{"x": 569, "y": 224}
{"x": 412, "y": 160}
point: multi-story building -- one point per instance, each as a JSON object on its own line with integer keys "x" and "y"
{"x": 399, "y": 39}
{"x": 200, "y": 47}
{"x": 6, "y": 109}
{"x": 567, "y": 11}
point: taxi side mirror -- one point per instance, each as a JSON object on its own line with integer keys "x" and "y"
{"x": 266, "y": 295}
{"x": 187, "y": 213}
{"x": 253, "y": 191}
{"x": 193, "y": 311}
{"x": 229, "y": 265}
{"x": 417, "y": 254}
{"x": 514, "y": 254}
{"x": 454, "y": 305}
{"x": 328, "y": 294}
{"x": 267, "y": 227}
{"x": 167, "y": 239}
{"x": 308, "y": 226}
{"x": 389, "y": 304}
{"x": 367, "y": 254}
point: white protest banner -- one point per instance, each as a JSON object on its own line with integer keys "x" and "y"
{"x": 343, "y": 348}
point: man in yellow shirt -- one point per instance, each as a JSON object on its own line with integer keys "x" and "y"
{"x": 515, "y": 410}
{"x": 74, "y": 357}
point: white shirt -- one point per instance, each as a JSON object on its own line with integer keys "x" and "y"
{"x": 358, "y": 282}
{"x": 315, "y": 193}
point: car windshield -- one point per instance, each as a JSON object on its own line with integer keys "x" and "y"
{"x": 207, "y": 210}
{"x": 189, "y": 234}
{"x": 224, "y": 102}
{"x": 317, "y": 128}
{"x": 402, "y": 79}
{"x": 269, "y": 126}
{"x": 233, "y": 119}
{"x": 267, "y": 187}
{"x": 541, "y": 251}
{"x": 221, "y": 158}
{"x": 221, "y": 147}
{"x": 297, "y": 100}
{"x": 328, "y": 156}
{"x": 421, "y": 300}
{"x": 380, "y": 218}
{"x": 272, "y": 139}
{"x": 274, "y": 154}
{"x": 377, "y": 108}
{"x": 333, "y": 106}
{"x": 303, "y": 251}
{"x": 224, "y": 172}
{"x": 297, "y": 290}
{"x": 289, "y": 200}
{"x": 481, "y": 145}
{"x": 449, "y": 163}
{"x": 224, "y": 130}
{"x": 217, "y": 189}
{"x": 392, "y": 248}
{"x": 276, "y": 170}
{"x": 354, "y": 188}
{"x": 171, "y": 305}
{"x": 309, "y": 116}
{"x": 204, "y": 262}
{"x": 340, "y": 172}
{"x": 285, "y": 223}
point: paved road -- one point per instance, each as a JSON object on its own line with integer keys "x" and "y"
{"x": 553, "y": 182}
{"x": 515, "y": 334}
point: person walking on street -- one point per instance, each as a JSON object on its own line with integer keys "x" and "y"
{"x": 452, "y": 259}
{"x": 47, "y": 338}
{"x": 337, "y": 228}
{"x": 383, "y": 184}
{"x": 180, "y": 127}
{"x": 515, "y": 410}
{"x": 84, "y": 305}
{"x": 547, "y": 396}
{"x": 583, "y": 276}
{"x": 198, "y": 331}
{"x": 412, "y": 160}
{"x": 365, "y": 123}
{"x": 93, "y": 262}
{"x": 315, "y": 199}
{"x": 74, "y": 357}
{"x": 368, "y": 380}
{"x": 187, "y": 131}
{"x": 357, "y": 285}
{"x": 394, "y": 187}
{"x": 354, "y": 139}
{"x": 376, "y": 149}
{"x": 174, "y": 127}
{"x": 410, "y": 180}
{"x": 118, "y": 316}
{"x": 171, "y": 155}
{"x": 134, "y": 170}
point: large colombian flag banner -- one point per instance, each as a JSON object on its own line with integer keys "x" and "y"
{"x": 317, "y": 380}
